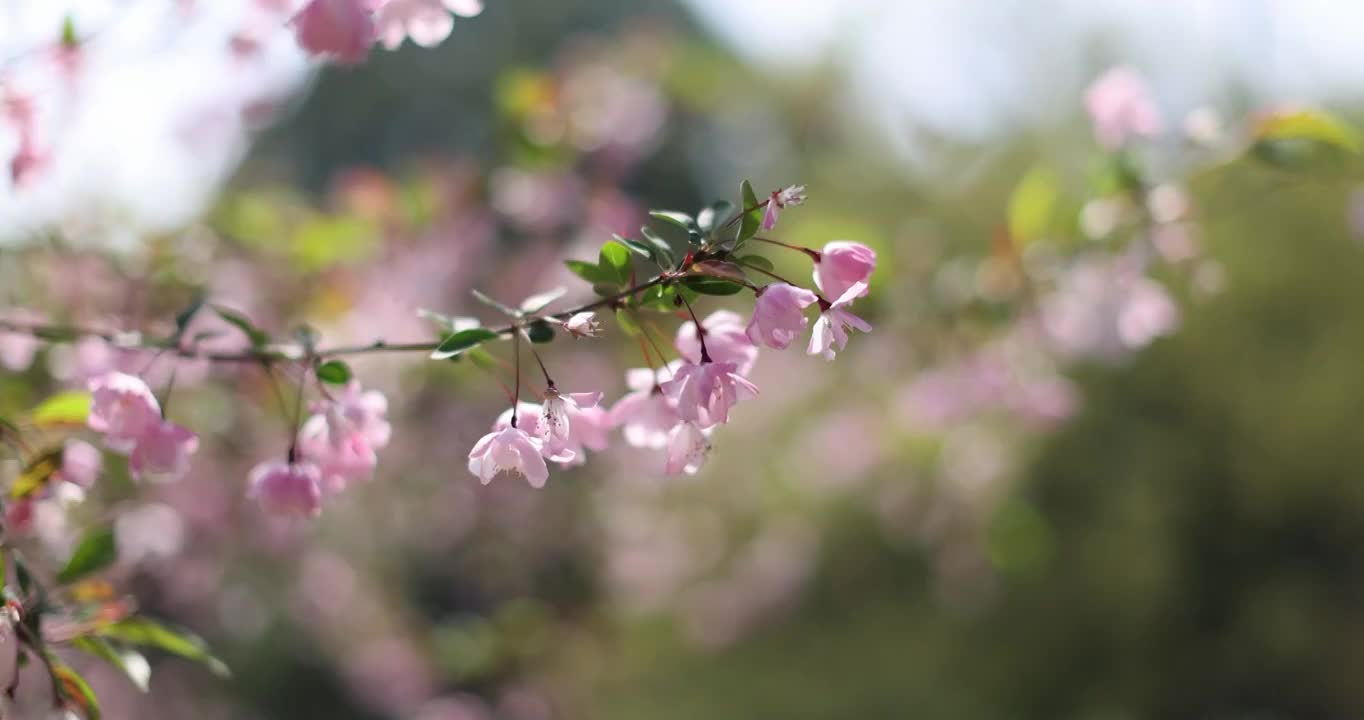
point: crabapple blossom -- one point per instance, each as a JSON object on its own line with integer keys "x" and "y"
{"x": 80, "y": 463}
{"x": 162, "y": 451}
{"x": 778, "y": 201}
{"x": 778, "y": 315}
{"x": 510, "y": 450}
{"x": 360, "y": 411}
{"x": 831, "y": 329}
{"x": 17, "y": 349}
{"x": 339, "y": 29}
{"x": 1121, "y": 108}
{"x": 646, "y": 414}
{"x": 287, "y": 488}
{"x": 583, "y": 324}
{"x": 704, "y": 393}
{"x": 427, "y": 22}
{"x": 726, "y": 341}
{"x": 842, "y": 264}
{"x": 341, "y": 454}
{"x": 121, "y": 407}
{"x": 688, "y": 446}
{"x": 528, "y": 419}
{"x": 554, "y": 421}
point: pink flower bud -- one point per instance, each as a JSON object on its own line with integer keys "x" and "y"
{"x": 286, "y": 488}
{"x": 831, "y": 329}
{"x": 779, "y": 315}
{"x": 122, "y": 407}
{"x": 509, "y": 450}
{"x": 841, "y": 265}
{"x": 339, "y": 29}
{"x": 162, "y": 452}
{"x": 583, "y": 324}
{"x": 705, "y": 393}
{"x": 780, "y": 200}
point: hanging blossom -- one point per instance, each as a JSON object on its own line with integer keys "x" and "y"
{"x": 831, "y": 329}
{"x": 126, "y": 412}
{"x": 343, "y": 436}
{"x": 582, "y": 325}
{"x": 779, "y": 315}
{"x": 705, "y": 393}
{"x": 727, "y": 341}
{"x": 510, "y": 450}
{"x": 647, "y": 414}
{"x": 778, "y": 201}
{"x": 688, "y": 446}
{"x": 842, "y": 264}
{"x": 287, "y": 488}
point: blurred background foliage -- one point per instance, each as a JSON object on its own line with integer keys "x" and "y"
{"x": 1189, "y": 544}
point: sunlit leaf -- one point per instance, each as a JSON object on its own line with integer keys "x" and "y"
{"x": 150, "y": 633}
{"x": 130, "y": 662}
{"x": 722, "y": 269}
{"x": 753, "y": 214}
{"x": 679, "y": 219}
{"x": 714, "y": 216}
{"x": 757, "y": 261}
{"x": 257, "y": 336}
{"x": 65, "y": 408}
{"x": 1032, "y": 204}
{"x": 462, "y": 341}
{"x": 96, "y": 551}
{"x": 490, "y": 302}
{"x": 75, "y": 692}
{"x": 627, "y": 322}
{"x": 538, "y": 302}
{"x": 447, "y": 323}
{"x": 334, "y": 372}
{"x": 661, "y": 247}
{"x": 1307, "y": 124}
{"x": 615, "y": 259}
{"x": 590, "y": 272}
{"x": 36, "y": 474}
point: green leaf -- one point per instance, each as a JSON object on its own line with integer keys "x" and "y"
{"x": 757, "y": 261}
{"x": 713, "y": 217}
{"x": 659, "y": 298}
{"x": 150, "y": 633}
{"x": 462, "y": 341}
{"x": 627, "y": 322}
{"x": 334, "y": 372}
{"x": 257, "y": 336}
{"x": 589, "y": 272}
{"x": 36, "y": 474}
{"x": 722, "y": 269}
{"x": 753, "y": 214}
{"x": 615, "y": 260}
{"x": 639, "y": 248}
{"x": 540, "y": 332}
{"x": 679, "y": 219}
{"x": 96, "y": 551}
{"x": 505, "y": 310}
{"x": 661, "y": 247}
{"x": 536, "y": 303}
{"x": 65, "y": 408}
{"x": 1308, "y": 124}
{"x": 131, "y": 662}
{"x": 712, "y": 286}
{"x": 75, "y": 692}
{"x": 185, "y": 316}
{"x": 1032, "y": 204}
{"x": 606, "y": 289}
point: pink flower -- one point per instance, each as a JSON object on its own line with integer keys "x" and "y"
{"x": 122, "y": 407}
{"x": 509, "y": 450}
{"x": 688, "y": 446}
{"x": 726, "y": 341}
{"x": 778, "y": 201}
{"x": 340, "y": 29}
{"x": 162, "y": 451}
{"x": 19, "y": 516}
{"x": 646, "y": 414}
{"x": 583, "y": 324}
{"x": 341, "y": 454}
{"x": 778, "y": 315}
{"x": 1120, "y": 106}
{"x": 286, "y": 488}
{"x": 427, "y": 22}
{"x": 831, "y": 329}
{"x": 17, "y": 348}
{"x": 81, "y": 462}
{"x": 841, "y": 265}
{"x": 704, "y": 393}
{"x": 554, "y": 423}
{"x": 363, "y": 412}
{"x": 528, "y": 419}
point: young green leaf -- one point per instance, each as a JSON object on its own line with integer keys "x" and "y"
{"x": 73, "y": 690}
{"x": 757, "y": 261}
{"x": 615, "y": 260}
{"x": 183, "y": 318}
{"x": 1308, "y": 124}
{"x": 753, "y": 214}
{"x": 505, "y": 310}
{"x": 257, "y": 336}
{"x": 536, "y": 303}
{"x": 1031, "y": 205}
{"x": 150, "y": 633}
{"x": 96, "y": 551}
{"x": 720, "y": 269}
{"x": 661, "y": 247}
{"x": 679, "y": 219}
{"x": 69, "y": 408}
{"x": 334, "y": 372}
{"x": 712, "y": 286}
{"x": 462, "y": 341}
{"x": 589, "y": 272}
{"x": 131, "y": 662}
{"x": 627, "y": 322}
{"x": 639, "y": 248}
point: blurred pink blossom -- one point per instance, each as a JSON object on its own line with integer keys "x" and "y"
{"x": 286, "y": 488}
{"x": 339, "y": 29}
{"x": 427, "y": 22}
{"x": 122, "y": 408}
{"x": 688, "y": 446}
{"x": 646, "y": 414}
{"x": 162, "y": 451}
{"x": 726, "y": 341}
{"x": 81, "y": 462}
{"x": 17, "y": 348}
{"x": 1121, "y": 108}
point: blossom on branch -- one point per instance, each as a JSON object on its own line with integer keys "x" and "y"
{"x": 122, "y": 407}
{"x": 287, "y": 488}
{"x": 704, "y": 393}
{"x": 831, "y": 329}
{"x": 779, "y": 315}
{"x": 510, "y": 450}
{"x": 842, "y": 264}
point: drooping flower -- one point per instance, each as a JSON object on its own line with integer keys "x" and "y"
{"x": 427, "y": 22}
{"x": 779, "y": 315}
{"x": 778, "y": 201}
{"x": 528, "y": 419}
{"x": 340, "y": 29}
{"x": 286, "y": 488}
{"x": 842, "y": 264}
{"x": 18, "y": 348}
{"x": 341, "y": 454}
{"x": 555, "y": 421}
{"x": 512, "y": 450}
{"x": 81, "y": 462}
{"x": 646, "y": 414}
{"x": 122, "y": 407}
{"x": 162, "y": 451}
{"x": 831, "y": 329}
{"x": 361, "y": 411}
{"x": 688, "y": 446}
{"x": 704, "y": 393}
{"x": 726, "y": 341}
{"x": 1121, "y": 108}
{"x": 583, "y": 324}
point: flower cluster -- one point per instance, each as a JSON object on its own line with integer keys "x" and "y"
{"x": 124, "y": 410}
{"x": 345, "y": 30}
